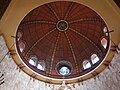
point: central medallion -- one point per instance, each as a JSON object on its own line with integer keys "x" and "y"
{"x": 62, "y": 25}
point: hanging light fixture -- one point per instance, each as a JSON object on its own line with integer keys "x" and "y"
{"x": 64, "y": 86}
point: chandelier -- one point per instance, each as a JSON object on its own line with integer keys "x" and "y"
{"x": 64, "y": 86}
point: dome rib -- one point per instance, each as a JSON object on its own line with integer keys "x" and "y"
{"x": 68, "y": 11}
{"x": 37, "y": 22}
{"x": 52, "y": 10}
{"x": 84, "y": 19}
{"x": 86, "y": 38}
{"x": 74, "y": 57}
{"x": 54, "y": 51}
{"x": 39, "y": 41}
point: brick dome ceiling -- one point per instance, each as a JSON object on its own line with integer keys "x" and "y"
{"x": 62, "y": 34}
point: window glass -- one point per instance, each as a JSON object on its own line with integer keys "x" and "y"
{"x": 21, "y": 46}
{"x": 40, "y": 66}
{"x": 86, "y": 64}
{"x": 94, "y": 58}
{"x": 105, "y": 31}
{"x": 19, "y": 36}
{"x": 64, "y": 70}
{"x": 33, "y": 60}
{"x": 104, "y": 42}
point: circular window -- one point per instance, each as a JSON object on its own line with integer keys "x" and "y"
{"x": 64, "y": 70}
{"x": 62, "y": 25}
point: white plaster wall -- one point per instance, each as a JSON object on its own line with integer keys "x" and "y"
{"x": 15, "y": 79}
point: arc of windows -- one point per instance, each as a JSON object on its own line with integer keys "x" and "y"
{"x": 38, "y": 64}
{"x": 94, "y": 58}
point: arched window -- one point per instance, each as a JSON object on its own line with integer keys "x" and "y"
{"x": 33, "y": 60}
{"x": 19, "y": 35}
{"x": 21, "y": 46}
{"x": 94, "y": 58}
{"x": 41, "y": 65}
{"x": 86, "y": 64}
{"x": 105, "y": 31}
{"x": 104, "y": 42}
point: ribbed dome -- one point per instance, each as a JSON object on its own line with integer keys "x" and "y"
{"x": 62, "y": 34}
